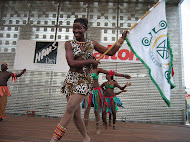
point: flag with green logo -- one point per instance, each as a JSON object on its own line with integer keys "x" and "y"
{"x": 150, "y": 43}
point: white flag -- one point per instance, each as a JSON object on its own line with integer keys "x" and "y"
{"x": 149, "y": 42}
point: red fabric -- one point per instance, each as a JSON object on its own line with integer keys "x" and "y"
{"x": 4, "y": 90}
{"x": 111, "y": 97}
{"x": 2, "y": 117}
{"x": 90, "y": 100}
{"x": 172, "y": 71}
{"x": 14, "y": 77}
{"x": 106, "y": 102}
{"x": 100, "y": 94}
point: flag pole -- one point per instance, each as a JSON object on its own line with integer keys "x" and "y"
{"x": 106, "y": 51}
{"x": 144, "y": 15}
{"x": 130, "y": 29}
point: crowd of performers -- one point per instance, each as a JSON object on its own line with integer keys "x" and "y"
{"x": 81, "y": 83}
{"x": 103, "y": 98}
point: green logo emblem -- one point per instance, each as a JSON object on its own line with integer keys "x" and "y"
{"x": 162, "y": 50}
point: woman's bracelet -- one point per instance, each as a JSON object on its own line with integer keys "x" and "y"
{"x": 119, "y": 42}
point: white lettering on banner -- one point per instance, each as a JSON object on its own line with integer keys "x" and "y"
{"x": 45, "y": 52}
{"x": 50, "y": 61}
{"x": 123, "y": 55}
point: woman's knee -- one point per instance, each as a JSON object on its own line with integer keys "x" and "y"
{"x": 70, "y": 108}
{"x": 75, "y": 116}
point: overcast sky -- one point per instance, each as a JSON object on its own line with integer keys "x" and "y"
{"x": 185, "y": 11}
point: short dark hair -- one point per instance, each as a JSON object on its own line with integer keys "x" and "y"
{"x": 83, "y": 21}
{"x": 4, "y": 66}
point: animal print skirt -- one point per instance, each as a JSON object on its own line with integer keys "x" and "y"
{"x": 77, "y": 83}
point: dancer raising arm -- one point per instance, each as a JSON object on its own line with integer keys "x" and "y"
{"x": 78, "y": 82}
{"x": 4, "y": 91}
{"x": 111, "y": 102}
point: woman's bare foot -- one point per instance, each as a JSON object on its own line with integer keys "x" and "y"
{"x": 97, "y": 132}
{"x": 52, "y": 140}
{"x": 114, "y": 127}
{"x": 105, "y": 126}
{"x": 87, "y": 139}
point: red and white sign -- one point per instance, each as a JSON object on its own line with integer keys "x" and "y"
{"x": 123, "y": 55}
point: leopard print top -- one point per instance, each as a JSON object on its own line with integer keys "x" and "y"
{"x": 87, "y": 53}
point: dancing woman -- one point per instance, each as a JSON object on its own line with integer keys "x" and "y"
{"x": 120, "y": 105}
{"x": 78, "y": 82}
{"x": 4, "y": 91}
{"x": 96, "y": 98}
{"x": 111, "y": 102}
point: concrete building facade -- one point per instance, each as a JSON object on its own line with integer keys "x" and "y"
{"x": 49, "y": 20}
